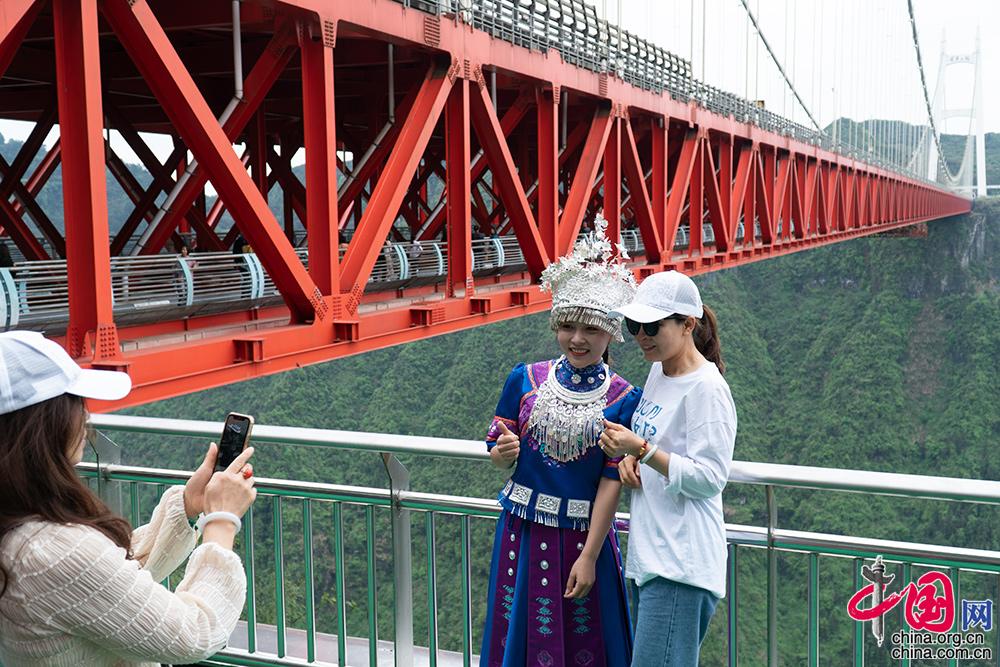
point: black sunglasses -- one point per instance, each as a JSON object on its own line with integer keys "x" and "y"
{"x": 650, "y": 328}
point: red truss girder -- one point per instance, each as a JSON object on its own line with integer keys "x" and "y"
{"x": 681, "y": 166}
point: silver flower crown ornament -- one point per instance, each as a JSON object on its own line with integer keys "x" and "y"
{"x": 587, "y": 284}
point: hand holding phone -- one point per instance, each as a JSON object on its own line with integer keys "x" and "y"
{"x": 235, "y": 436}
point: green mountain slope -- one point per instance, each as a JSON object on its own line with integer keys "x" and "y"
{"x": 876, "y": 354}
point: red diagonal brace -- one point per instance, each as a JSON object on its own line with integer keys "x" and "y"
{"x": 586, "y": 174}
{"x": 716, "y": 208}
{"x": 639, "y": 197}
{"x": 383, "y": 207}
{"x": 154, "y": 56}
{"x": 265, "y": 71}
{"x": 161, "y": 181}
{"x": 16, "y": 18}
{"x": 740, "y": 189}
{"x": 506, "y": 183}
{"x": 679, "y": 189}
{"x": 20, "y": 233}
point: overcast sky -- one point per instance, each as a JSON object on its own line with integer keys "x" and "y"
{"x": 851, "y": 58}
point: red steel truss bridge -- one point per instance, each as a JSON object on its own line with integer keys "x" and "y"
{"x": 451, "y": 151}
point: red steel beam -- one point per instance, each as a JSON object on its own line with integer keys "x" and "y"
{"x": 548, "y": 170}
{"x": 639, "y": 196}
{"x": 320, "y": 138}
{"x": 81, "y": 121}
{"x": 506, "y": 182}
{"x": 613, "y": 183}
{"x": 383, "y": 207}
{"x": 16, "y": 18}
{"x": 155, "y": 57}
{"x": 265, "y": 72}
{"x": 583, "y": 182}
{"x": 458, "y": 156}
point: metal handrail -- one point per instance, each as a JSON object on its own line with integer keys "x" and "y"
{"x": 34, "y": 295}
{"x": 742, "y": 472}
{"x": 401, "y": 502}
{"x": 573, "y": 29}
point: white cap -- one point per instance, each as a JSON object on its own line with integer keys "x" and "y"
{"x": 34, "y": 369}
{"x": 662, "y": 295}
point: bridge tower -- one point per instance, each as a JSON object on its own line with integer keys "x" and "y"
{"x": 942, "y": 113}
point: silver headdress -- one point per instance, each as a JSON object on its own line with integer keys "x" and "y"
{"x": 586, "y": 284}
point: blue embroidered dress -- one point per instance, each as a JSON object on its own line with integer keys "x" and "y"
{"x": 542, "y": 530}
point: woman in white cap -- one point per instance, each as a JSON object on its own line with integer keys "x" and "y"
{"x": 556, "y": 592}
{"x": 77, "y": 585}
{"x": 682, "y": 437}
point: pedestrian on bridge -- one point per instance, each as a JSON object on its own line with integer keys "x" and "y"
{"x": 682, "y": 436}
{"x": 557, "y": 592}
{"x": 77, "y": 585}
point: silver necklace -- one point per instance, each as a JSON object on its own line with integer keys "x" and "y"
{"x": 567, "y": 423}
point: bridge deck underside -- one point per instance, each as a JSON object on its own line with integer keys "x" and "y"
{"x": 415, "y": 127}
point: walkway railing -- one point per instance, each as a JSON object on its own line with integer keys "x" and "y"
{"x": 327, "y": 515}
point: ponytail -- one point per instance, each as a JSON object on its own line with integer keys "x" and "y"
{"x": 706, "y": 339}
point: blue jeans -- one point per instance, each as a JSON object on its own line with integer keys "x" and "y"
{"x": 672, "y": 622}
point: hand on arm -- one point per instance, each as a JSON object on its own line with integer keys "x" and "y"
{"x": 628, "y": 470}
{"x": 618, "y": 440}
{"x": 582, "y": 575}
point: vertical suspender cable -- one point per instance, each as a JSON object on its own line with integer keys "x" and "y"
{"x": 777, "y": 63}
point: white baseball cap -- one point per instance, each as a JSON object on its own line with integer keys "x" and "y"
{"x": 34, "y": 369}
{"x": 662, "y": 295}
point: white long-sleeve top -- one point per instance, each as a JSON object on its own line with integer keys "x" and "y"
{"x": 677, "y": 530}
{"x": 74, "y": 600}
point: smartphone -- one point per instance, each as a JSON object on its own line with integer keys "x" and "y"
{"x": 235, "y": 436}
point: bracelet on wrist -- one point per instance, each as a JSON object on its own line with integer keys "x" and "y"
{"x": 643, "y": 448}
{"x": 649, "y": 454}
{"x": 205, "y": 519}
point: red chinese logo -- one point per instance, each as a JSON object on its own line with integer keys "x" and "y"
{"x": 923, "y": 607}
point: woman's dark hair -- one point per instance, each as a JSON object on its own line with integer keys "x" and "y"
{"x": 607, "y": 355}
{"x": 706, "y": 338}
{"x": 37, "y": 478}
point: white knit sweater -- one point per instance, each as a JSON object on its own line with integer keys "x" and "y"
{"x": 73, "y": 600}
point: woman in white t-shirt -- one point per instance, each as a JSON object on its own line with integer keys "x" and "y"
{"x": 683, "y": 434}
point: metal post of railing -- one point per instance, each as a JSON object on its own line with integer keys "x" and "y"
{"x": 432, "y": 629}
{"x": 279, "y": 575}
{"x": 955, "y": 575}
{"x": 772, "y": 580}
{"x": 340, "y": 582}
{"x": 307, "y": 552}
{"x": 466, "y": 593}
{"x": 248, "y": 564}
{"x": 859, "y": 628}
{"x": 813, "y": 613}
{"x": 732, "y": 600}
{"x": 399, "y": 480}
{"x": 907, "y": 568}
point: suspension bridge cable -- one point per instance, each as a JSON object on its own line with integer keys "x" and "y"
{"x": 927, "y": 98}
{"x": 781, "y": 69}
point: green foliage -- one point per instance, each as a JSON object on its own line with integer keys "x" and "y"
{"x": 873, "y": 354}
{"x": 876, "y": 354}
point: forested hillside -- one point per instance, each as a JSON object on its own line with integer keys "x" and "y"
{"x": 877, "y": 354}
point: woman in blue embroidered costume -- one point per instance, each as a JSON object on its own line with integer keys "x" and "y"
{"x": 557, "y": 594}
